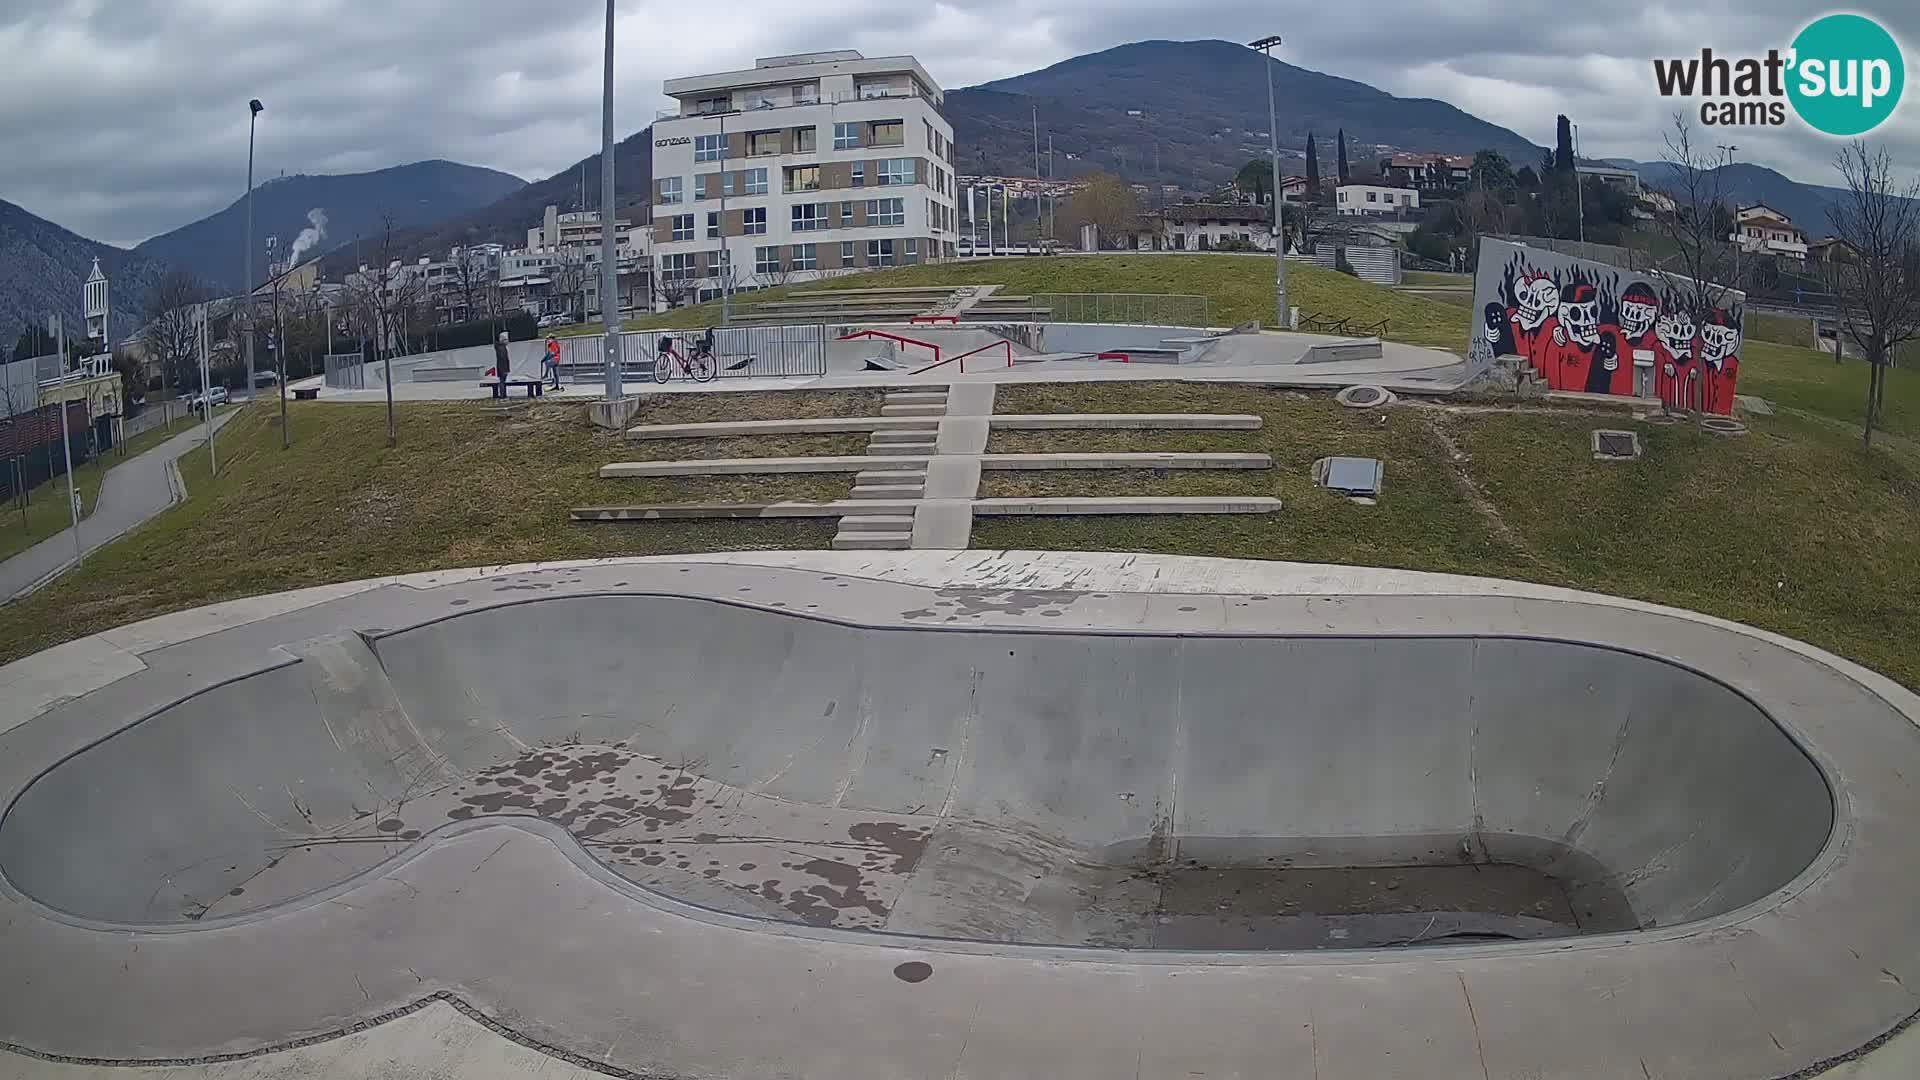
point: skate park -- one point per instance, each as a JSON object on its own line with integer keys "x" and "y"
{"x": 1234, "y": 818}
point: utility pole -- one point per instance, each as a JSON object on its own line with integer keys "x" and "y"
{"x": 1579, "y": 191}
{"x": 1036, "y": 170}
{"x": 726, "y": 264}
{"x": 280, "y": 361}
{"x": 254, "y": 109}
{"x": 206, "y": 411}
{"x": 59, "y": 329}
{"x": 1282, "y": 315}
{"x": 1738, "y": 241}
{"x": 609, "y": 270}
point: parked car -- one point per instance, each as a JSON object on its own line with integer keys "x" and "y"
{"x": 265, "y": 378}
{"x": 553, "y": 320}
{"x": 217, "y": 396}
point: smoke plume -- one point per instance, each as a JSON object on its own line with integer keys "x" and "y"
{"x": 315, "y": 232}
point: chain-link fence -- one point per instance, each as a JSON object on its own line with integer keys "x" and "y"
{"x": 740, "y": 352}
{"x": 345, "y": 371}
{"x": 1144, "y": 309}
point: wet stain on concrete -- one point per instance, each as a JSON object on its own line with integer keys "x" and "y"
{"x": 913, "y": 971}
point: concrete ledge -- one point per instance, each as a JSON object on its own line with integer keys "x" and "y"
{"x": 1147, "y": 505}
{"x": 1179, "y": 421}
{"x": 613, "y": 413}
{"x": 826, "y": 425}
{"x": 688, "y": 511}
{"x": 740, "y": 466}
{"x": 1363, "y": 349}
{"x": 1125, "y": 461}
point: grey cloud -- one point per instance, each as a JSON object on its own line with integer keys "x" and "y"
{"x": 131, "y": 114}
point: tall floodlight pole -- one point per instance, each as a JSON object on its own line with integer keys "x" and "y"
{"x": 1738, "y": 241}
{"x": 1579, "y": 189}
{"x": 59, "y": 329}
{"x": 254, "y": 109}
{"x": 726, "y": 264}
{"x": 1266, "y": 45}
{"x": 206, "y": 411}
{"x": 609, "y": 270}
{"x": 280, "y": 361}
{"x": 1036, "y": 170}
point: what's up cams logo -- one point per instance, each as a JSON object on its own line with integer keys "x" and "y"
{"x": 1843, "y": 75}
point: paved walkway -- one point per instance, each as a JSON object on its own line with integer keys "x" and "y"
{"x": 133, "y": 491}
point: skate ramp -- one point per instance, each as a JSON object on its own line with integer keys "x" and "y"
{"x": 1135, "y": 790}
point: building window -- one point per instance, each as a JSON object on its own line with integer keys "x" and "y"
{"x": 1370, "y": 196}
{"x": 683, "y": 226}
{"x": 806, "y": 94}
{"x": 756, "y": 181}
{"x": 869, "y": 91}
{"x": 754, "y": 220}
{"x": 931, "y": 144}
{"x": 708, "y": 147}
{"x": 715, "y": 104}
{"x": 846, "y": 214}
{"x": 888, "y": 133}
{"x": 859, "y": 174}
{"x": 763, "y": 143}
{"x": 1343, "y": 196}
{"x": 846, "y": 136}
{"x": 879, "y": 253}
{"x": 803, "y": 139}
{"x": 895, "y": 171}
{"x": 679, "y": 267}
{"x": 805, "y": 257}
{"x": 846, "y": 253}
{"x": 809, "y": 217}
{"x": 713, "y": 224}
{"x": 766, "y": 260}
{"x": 670, "y": 190}
{"x": 886, "y": 212}
{"x": 913, "y": 252}
{"x": 802, "y": 178}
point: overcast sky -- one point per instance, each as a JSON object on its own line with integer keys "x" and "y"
{"x": 124, "y": 118}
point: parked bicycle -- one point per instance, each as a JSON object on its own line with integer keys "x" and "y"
{"x": 697, "y": 363}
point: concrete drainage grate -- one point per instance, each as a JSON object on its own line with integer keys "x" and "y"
{"x": 1364, "y": 397}
{"x": 1615, "y": 445}
{"x": 1357, "y": 478}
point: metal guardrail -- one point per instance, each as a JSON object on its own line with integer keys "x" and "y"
{"x": 1143, "y": 309}
{"x": 345, "y": 371}
{"x": 742, "y": 352}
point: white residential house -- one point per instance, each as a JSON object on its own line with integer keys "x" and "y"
{"x": 800, "y": 167}
{"x": 1206, "y": 227}
{"x": 1369, "y": 199}
{"x": 1761, "y": 229}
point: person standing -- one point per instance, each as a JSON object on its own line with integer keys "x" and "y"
{"x": 500, "y": 366}
{"x": 552, "y": 362}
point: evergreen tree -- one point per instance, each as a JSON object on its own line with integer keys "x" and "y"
{"x": 1563, "y": 145}
{"x": 1345, "y": 174}
{"x": 1313, "y": 166}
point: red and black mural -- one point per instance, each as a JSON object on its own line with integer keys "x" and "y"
{"x": 1599, "y": 329}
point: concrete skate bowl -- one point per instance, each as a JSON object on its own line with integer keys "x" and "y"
{"x": 1136, "y": 791}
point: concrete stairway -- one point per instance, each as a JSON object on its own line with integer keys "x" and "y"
{"x": 894, "y": 532}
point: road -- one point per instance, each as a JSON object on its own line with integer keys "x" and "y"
{"x": 132, "y": 492}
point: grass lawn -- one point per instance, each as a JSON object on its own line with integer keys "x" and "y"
{"x": 1810, "y": 381}
{"x": 464, "y": 487}
{"x": 1239, "y": 288}
{"x": 46, "y": 512}
{"x": 1436, "y": 277}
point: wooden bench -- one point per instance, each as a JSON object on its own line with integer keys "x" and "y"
{"x": 535, "y": 387}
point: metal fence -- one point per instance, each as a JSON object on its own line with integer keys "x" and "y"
{"x": 346, "y": 371}
{"x": 1378, "y": 265}
{"x": 1145, "y": 309}
{"x": 743, "y": 352}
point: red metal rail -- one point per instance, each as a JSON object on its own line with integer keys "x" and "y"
{"x": 894, "y": 337}
{"x": 989, "y": 345}
{"x": 918, "y": 320}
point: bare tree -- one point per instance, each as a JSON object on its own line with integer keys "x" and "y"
{"x": 1705, "y": 264}
{"x": 382, "y": 296}
{"x": 172, "y": 333}
{"x": 474, "y": 278}
{"x": 1877, "y": 287}
{"x": 569, "y": 277}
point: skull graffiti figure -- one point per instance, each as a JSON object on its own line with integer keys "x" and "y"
{"x": 1719, "y": 338}
{"x": 1538, "y": 299}
{"x": 1579, "y": 314}
{"x": 1675, "y": 329}
{"x": 1638, "y": 309}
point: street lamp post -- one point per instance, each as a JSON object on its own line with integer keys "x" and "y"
{"x": 609, "y": 269}
{"x": 254, "y": 109}
{"x": 725, "y": 269}
{"x": 1265, "y": 46}
{"x": 1738, "y": 243}
{"x": 1579, "y": 190}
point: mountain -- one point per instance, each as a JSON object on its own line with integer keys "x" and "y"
{"x": 43, "y": 265}
{"x": 421, "y": 194}
{"x": 506, "y": 220}
{"x": 1204, "y": 104}
{"x": 1747, "y": 184}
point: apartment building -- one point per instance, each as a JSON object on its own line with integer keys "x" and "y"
{"x": 1374, "y": 200}
{"x": 802, "y": 167}
{"x": 1761, "y": 229}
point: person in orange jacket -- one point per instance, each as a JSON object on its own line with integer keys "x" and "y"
{"x": 552, "y": 361}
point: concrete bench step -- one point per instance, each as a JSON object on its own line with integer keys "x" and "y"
{"x": 746, "y": 466}
{"x": 892, "y": 449}
{"x": 686, "y": 511}
{"x": 882, "y": 438}
{"x": 812, "y": 426}
{"x": 914, "y": 410}
{"x": 870, "y": 477}
{"x": 887, "y": 491}
{"x": 876, "y": 541}
{"x": 886, "y": 523}
{"x": 1095, "y": 421}
{"x": 917, "y": 397}
{"x": 1129, "y": 505}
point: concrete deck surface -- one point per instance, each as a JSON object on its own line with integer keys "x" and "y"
{"x": 1755, "y": 969}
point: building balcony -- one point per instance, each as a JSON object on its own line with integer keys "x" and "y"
{"x": 837, "y": 98}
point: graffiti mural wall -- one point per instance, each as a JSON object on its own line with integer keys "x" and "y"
{"x": 1601, "y": 329}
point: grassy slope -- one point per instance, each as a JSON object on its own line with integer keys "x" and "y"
{"x": 1789, "y": 528}
{"x": 47, "y": 504}
{"x": 1239, "y": 288}
{"x": 464, "y": 488}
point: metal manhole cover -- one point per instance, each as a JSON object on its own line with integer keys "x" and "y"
{"x": 1364, "y": 395}
{"x": 1615, "y": 445}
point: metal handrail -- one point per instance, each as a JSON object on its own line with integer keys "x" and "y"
{"x": 894, "y": 337}
{"x": 963, "y": 356}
